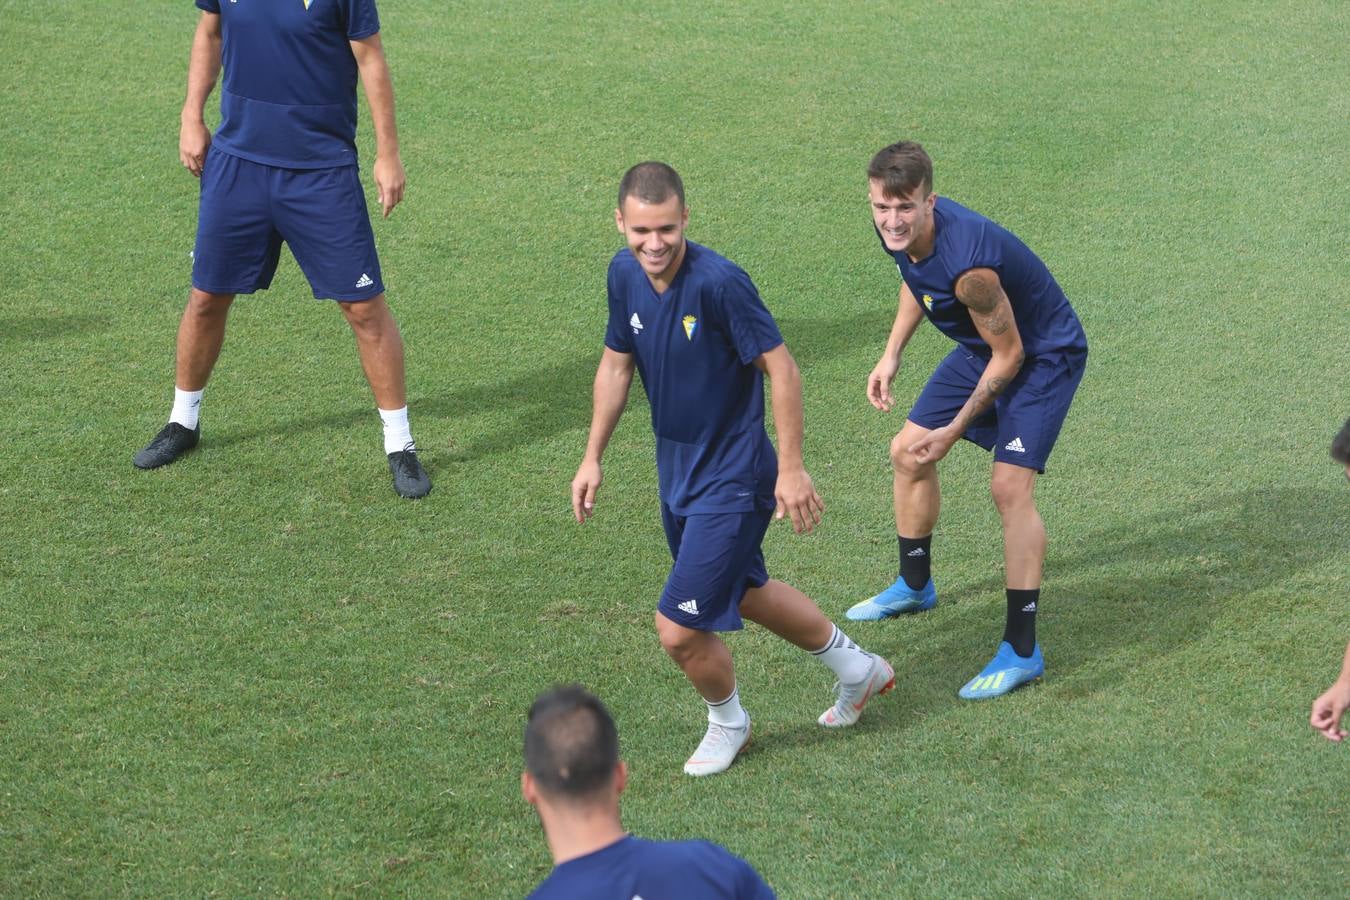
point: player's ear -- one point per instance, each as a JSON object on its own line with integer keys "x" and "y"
{"x": 527, "y": 789}
{"x": 620, "y": 777}
{"x": 618, "y": 219}
{"x": 684, "y": 219}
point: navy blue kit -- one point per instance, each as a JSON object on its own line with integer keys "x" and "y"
{"x": 694, "y": 347}
{"x": 634, "y": 869}
{"x": 1026, "y": 418}
{"x": 282, "y": 166}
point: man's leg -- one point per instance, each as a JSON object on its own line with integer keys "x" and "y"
{"x": 918, "y": 500}
{"x": 788, "y": 613}
{"x": 1024, "y": 543}
{"x": 1018, "y": 659}
{"x": 1024, "y": 538}
{"x": 706, "y": 662}
{"x": 796, "y": 618}
{"x": 380, "y": 347}
{"x": 201, "y": 334}
{"x": 701, "y": 655}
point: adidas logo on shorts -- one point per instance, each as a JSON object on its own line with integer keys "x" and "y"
{"x": 1015, "y": 445}
{"x": 689, "y": 607}
{"x": 364, "y": 281}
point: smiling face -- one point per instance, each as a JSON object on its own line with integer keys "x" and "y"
{"x": 655, "y": 235}
{"x": 905, "y": 223}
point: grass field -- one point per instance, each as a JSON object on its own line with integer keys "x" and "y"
{"x": 259, "y": 672}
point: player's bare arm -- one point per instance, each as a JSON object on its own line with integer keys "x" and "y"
{"x": 908, "y": 316}
{"x": 609, "y": 396}
{"x": 795, "y": 493}
{"x": 194, "y": 138}
{"x": 390, "y": 178}
{"x": 991, "y": 312}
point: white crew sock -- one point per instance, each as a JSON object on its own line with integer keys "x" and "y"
{"x": 186, "y": 408}
{"x": 397, "y": 434}
{"x": 727, "y": 712}
{"x": 849, "y": 662}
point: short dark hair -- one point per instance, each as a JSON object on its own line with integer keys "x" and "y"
{"x": 651, "y": 182}
{"x": 901, "y": 168}
{"x": 1340, "y": 445}
{"x": 571, "y": 743}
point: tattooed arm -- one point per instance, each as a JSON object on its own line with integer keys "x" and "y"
{"x": 982, "y": 294}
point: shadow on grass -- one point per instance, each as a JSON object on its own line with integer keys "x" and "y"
{"x": 1156, "y": 584}
{"x": 16, "y": 329}
{"x": 552, "y": 399}
{"x": 542, "y": 403}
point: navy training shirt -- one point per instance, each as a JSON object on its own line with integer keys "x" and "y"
{"x": 966, "y": 240}
{"x": 631, "y": 868}
{"x": 695, "y": 347}
{"x": 288, "y": 97}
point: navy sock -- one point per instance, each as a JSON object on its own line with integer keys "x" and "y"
{"x": 1020, "y": 631}
{"x": 915, "y": 558}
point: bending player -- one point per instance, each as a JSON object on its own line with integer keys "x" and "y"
{"x": 1007, "y": 387}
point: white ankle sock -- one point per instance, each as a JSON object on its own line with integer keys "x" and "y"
{"x": 727, "y": 712}
{"x": 186, "y": 408}
{"x": 397, "y": 434}
{"x": 849, "y": 662}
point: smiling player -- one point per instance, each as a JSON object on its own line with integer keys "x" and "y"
{"x": 694, "y": 327}
{"x": 1006, "y": 387}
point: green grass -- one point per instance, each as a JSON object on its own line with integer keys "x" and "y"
{"x": 257, "y": 671}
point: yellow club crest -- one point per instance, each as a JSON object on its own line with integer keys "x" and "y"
{"x": 927, "y": 301}
{"x": 690, "y": 324}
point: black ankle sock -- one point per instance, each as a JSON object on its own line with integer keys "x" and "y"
{"x": 915, "y": 555}
{"x": 1020, "y": 631}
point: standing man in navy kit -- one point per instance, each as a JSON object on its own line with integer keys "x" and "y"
{"x": 1007, "y": 387}
{"x": 693, "y": 325}
{"x": 282, "y": 167}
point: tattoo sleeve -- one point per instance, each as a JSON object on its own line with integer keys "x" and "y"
{"x": 980, "y": 292}
{"x": 979, "y": 401}
{"x": 985, "y": 299}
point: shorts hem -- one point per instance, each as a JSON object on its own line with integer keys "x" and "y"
{"x": 1014, "y": 460}
{"x": 708, "y": 627}
{"x": 251, "y": 289}
{"x": 346, "y": 298}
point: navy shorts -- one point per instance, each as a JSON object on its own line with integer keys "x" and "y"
{"x": 248, "y": 209}
{"x": 717, "y": 558}
{"x": 1025, "y": 420}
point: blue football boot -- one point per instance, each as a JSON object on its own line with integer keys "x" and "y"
{"x": 896, "y": 599}
{"x": 1005, "y": 672}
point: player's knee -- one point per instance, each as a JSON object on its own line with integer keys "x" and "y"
{"x": 1011, "y": 493}
{"x": 370, "y": 317}
{"x": 676, "y": 640}
{"x": 364, "y": 310}
{"x": 903, "y": 461}
{"x": 204, "y": 304}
